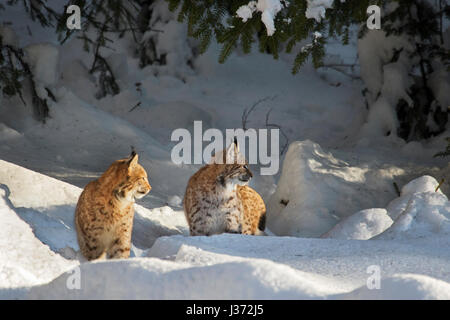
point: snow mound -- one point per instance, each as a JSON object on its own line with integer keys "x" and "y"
{"x": 421, "y": 184}
{"x": 30, "y": 189}
{"x": 421, "y": 211}
{"x": 404, "y": 287}
{"x": 317, "y": 189}
{"x": 362, "y": 225}
{"x": 24, "y": 260}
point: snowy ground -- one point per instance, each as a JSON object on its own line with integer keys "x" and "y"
{"x": 332, "y": 208}
{"x": 38, "y": 253}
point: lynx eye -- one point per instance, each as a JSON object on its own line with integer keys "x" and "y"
{"x": 245, "y": 166}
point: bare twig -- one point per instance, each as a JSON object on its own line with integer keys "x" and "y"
{"x": 274, "y": 125}
{"x": 137, "y": 105}
{"x": 247, "y": 112}
{"x": 397, "y": 190}
{"x": 439, "y": 185}
{"x": 336, "y": 68}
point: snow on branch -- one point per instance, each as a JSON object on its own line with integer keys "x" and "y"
{"x": 316, "y": 9}
{"x": 268, "y": 8}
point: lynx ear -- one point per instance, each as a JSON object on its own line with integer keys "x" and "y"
{"x": 236, "y": 146}
{"x": 232, "y": 152}
{"x": 133, "y": 159}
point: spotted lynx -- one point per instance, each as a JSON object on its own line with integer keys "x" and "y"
{"x": 218, "y": 200}
{"x": 105, "y": 211}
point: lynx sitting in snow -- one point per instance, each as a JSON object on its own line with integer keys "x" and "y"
{"x": 218, "y": 200}
{"x": 104, "y": 212}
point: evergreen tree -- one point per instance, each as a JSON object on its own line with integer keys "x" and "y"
{"x": 446, "y": 152}
{"x": 217, "y": 18}
{"x": 421, "y": 23}
{"x": 13, "y": 67}
{"x": 101, "y": 19}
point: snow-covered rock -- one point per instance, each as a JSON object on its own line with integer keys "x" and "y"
{"x": 316, "y": 190}
{"x": 362, "y": 225}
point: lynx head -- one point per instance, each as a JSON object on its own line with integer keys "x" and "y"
{"x": 131, "y": 180}
{"x": 233, "y": 168}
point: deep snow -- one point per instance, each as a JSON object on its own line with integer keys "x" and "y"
{"x": 166, "y": 263}
{"x": 333, "y": 211}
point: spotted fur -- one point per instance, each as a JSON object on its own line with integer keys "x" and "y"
{"x": 254, "y": 211}
{"x": 217, "y": 199}
{"x": 105, "y": 211}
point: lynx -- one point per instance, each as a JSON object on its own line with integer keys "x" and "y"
{"x": 217, "y": 198}
{"x": 105, "y": 211}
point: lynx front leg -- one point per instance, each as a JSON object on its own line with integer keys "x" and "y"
{"x": 121, "y": 245}
{"x": 202, "y": 224}
{"x": 233, "y": 222}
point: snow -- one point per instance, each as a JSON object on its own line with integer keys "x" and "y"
{"x": 246, "y": 12}
{"x": 333, "y": 212}
{"x": 24, "y": 260}
{"x": 168, "y": 264}
{"x": 405, "y": 287}
{"x": 43, "y": 59}
{"x": 316, "y": 9}
{"x": 8, "y": 36}
{"x": 426, "y": 212}
{"x": 318, "y": 188}
{"x": 362, "y": 225}
{"x": 268, "y": 8}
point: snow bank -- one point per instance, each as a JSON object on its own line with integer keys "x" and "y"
{"x": 24, "y": 260}
{"x": 222, "y": 278}
{"x": 181, "y": 267}
{"x": 362, "y": 225}
{"x": 30, "y": 189}
{"x": 421, "y": 211}
{"x": 316, "y": 190}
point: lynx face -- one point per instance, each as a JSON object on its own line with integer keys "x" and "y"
{"x": 134, "y": 184}
{"x": 234, "y": 174}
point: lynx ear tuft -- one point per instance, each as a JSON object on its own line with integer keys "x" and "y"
{"x": 134, "y": 157}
